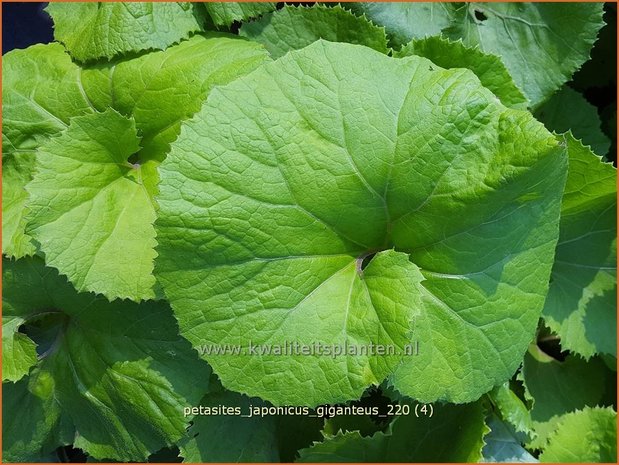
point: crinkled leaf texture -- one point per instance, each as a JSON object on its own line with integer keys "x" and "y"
{"x": 288, "y": 180}
{"x": 292, "y": 28}
{"x": 225, "y": 13}
{"x": 113, "y": 381}
{"x": 93, "y": 30}
{"x": 581, "y": 306}
{"x": 157, "y": 91}
{"x": 487, "y": 67}
{"x": 585, "y": 436}
{"x": 457, "y": 433}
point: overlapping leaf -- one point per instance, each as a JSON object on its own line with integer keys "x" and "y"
{"x": 230, "y": 437}
{"x": 93, "y": 30}
{"x": 292, "y": 28}
{"x": 457, "y": 436}
{"x": 326, "y": 156}
{"x": 19, "y": 351}
{"x": 158, "y": 91}
{"x": 31, "y": 113}
{"x": 246, "y": 436}
{"x": 91, "y": 212}
{"x": 581, "y": 305}
{"x": 487, "y": 67}
{"x": 502, "y": 445}
{"x": 408, "y": 20}
{"x": 545, "y": 380}
{"x": 36, "y": 425}
{"x": 113, "y": 380}
{"x": 541, "y": 44}
{"x": 568, "y": 110}
{"x": 513, "y": 410}
{"x": 589, "y": 435}
{"x": 335, "y": 198}
{"x": 225, "y": 13}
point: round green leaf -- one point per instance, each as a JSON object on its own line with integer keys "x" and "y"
{"x": 289, "y": 178}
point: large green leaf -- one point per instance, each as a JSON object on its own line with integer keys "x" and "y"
{"x": 158, "y": 91}
{"x": 30, "y": 114}
{"x": 585, "y": 436}
{"x": 457, "y": 433}
{"x": 568, "y": 110}
{"x": 292, "y": 28}
{"x": 487, "y": 67}
{"x": 581, "y": 305}
{"x": 404, "y": 21}
{"x": 541, "y": 44}
{"x": 118, "y": 372}
{"x": 92, "y": 30}
{"x": 225, "y": 13}
{"x": 290, "y": 178}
